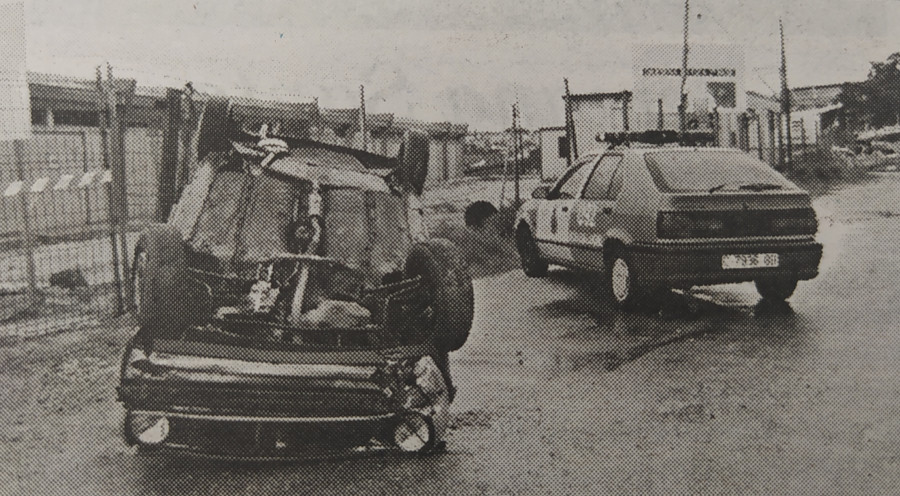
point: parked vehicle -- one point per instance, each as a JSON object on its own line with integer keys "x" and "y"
{"x": 657, "y": 217}
{"x": 293, "y": 306}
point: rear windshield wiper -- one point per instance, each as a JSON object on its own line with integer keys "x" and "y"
{"x": 760, "y": 186}
{"x": 746, "y": 186}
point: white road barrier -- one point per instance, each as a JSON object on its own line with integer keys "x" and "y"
{"x": 63, "y": 182}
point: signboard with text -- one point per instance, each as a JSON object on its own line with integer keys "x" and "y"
{"x": 715, "y": 78}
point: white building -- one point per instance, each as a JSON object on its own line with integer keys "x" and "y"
{"x": 554, "y": 150}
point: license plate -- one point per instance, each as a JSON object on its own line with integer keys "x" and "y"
{"x": 750, "y": 261}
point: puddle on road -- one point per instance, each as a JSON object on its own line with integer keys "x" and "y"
{"x": 615, "y": 338}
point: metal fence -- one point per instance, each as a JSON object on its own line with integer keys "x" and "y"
{"x": 56, "y": 257}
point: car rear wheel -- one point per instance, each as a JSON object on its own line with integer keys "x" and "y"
{"x": 776, "y": 289}
{"x": 448, "y": 287}
{"x": 623, "y": 284}
{"x": 532, "y": 264}
{"x": 159, "y": 280}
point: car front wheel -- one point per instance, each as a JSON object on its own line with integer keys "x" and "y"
{"x": 776, "y": 289}
{"x": 159, "y": 277}
{"x": 532, "y": 264}
{"x": 447, "y": 286}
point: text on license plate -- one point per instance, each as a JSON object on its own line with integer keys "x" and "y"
{"x": 750, "y": 261}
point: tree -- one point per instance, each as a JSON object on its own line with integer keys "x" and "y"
{"x": 874, "y": 102}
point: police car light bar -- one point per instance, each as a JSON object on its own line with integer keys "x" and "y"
{"x": 658, "y": 137}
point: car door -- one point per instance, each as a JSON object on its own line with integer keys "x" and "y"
{"x": 593, "y": 212}
{"x": 554, "y": 213}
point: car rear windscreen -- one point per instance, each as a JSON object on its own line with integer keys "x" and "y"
{"x": 686, "y": 171}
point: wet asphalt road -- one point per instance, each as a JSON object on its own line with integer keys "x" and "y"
{"x": 717, "y": 393}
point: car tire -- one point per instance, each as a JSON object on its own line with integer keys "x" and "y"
{"x": 159, "y": 279}
{"x": 532, "y": 264}
{"x": 448, "y": 288}
{"x": 776, "y": 289}
{"x": 622, "y": 282}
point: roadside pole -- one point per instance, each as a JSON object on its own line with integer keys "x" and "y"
{"x": 27, "y": 236}
{"x": 86, "y": 167}
{"x": 659, "y": 115}
{"x": 682, "y": 104}
{"x": 785, "y": 99}
{"x": 104, "y": 111}
{"x": 119, "y": 113}
{"x": 570, "y": 128}
{"x": 364, "y": 142}
{"x": 515, "y": 129}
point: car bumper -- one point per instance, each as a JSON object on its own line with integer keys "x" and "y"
{"x": 686, "y": 265}
{"x": 261, "y": 437}
{"x": 236, "y": 408}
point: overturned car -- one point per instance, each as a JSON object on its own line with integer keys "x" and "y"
{"x": 294, "y": 306}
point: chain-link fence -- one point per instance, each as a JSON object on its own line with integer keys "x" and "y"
{"x": 56, "y": 257}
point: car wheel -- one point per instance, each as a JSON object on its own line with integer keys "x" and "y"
{"x": 776, "y": 289}
{"x": 159, "y": 280}
{"x": 622, "y": 282}
{"x": 448, "y": 287}
{"x": 532, "y": 264}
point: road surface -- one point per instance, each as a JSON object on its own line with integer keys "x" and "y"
{"x": 559, "y": 394}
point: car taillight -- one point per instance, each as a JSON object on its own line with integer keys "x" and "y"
{"x": 682, "y": 225}
{"x": 802, "y": 222}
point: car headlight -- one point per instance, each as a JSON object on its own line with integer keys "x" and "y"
{"x": 133, "y": 364}
{"x": 429, "y": 385}
{"x": 413, "y": 433}
{"x": 147, "y": 428}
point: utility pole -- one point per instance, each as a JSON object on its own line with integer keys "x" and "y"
{"x": 515, "y": 130}
{"x": 570, "y": 128}
{"x": 785, "y": 98}
{"x": 362, "y": 118}
{"x": 682, "y": 105}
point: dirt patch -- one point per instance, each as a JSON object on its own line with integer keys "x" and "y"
{"x": 820, "y": 181}
{"x": 472, "y": 418}
{"x": 684, "y": 412}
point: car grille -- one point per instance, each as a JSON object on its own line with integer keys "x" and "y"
{"x": 263, "y": 402}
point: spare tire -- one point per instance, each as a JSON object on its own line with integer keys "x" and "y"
{"x": 159, "y": 280}
{"x": 413, "y": 158}
{"x": 447, "y": 286}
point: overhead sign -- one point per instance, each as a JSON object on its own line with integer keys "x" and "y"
{"x": 15, "y": 103}
{"x": 715, "y": 78}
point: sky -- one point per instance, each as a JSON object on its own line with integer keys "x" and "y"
{"x": 444, "y": 60}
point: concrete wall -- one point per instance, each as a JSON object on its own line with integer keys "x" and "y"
{"x": 593, "y": 117}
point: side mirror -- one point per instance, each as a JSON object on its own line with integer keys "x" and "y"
{"x": 541, "y": 192}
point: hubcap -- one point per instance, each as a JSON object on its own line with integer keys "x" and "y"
{"x": 140, "y": 265}
{"x": 621, "y": 280}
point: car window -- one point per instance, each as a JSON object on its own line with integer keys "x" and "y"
{"x": 598, "y": 186}
{"x": 568, "y": 186}
{"x": 702, "y": 170}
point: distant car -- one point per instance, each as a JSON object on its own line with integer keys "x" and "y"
{"x": 654, "y": 218}
{"x": 294, "y": 306}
